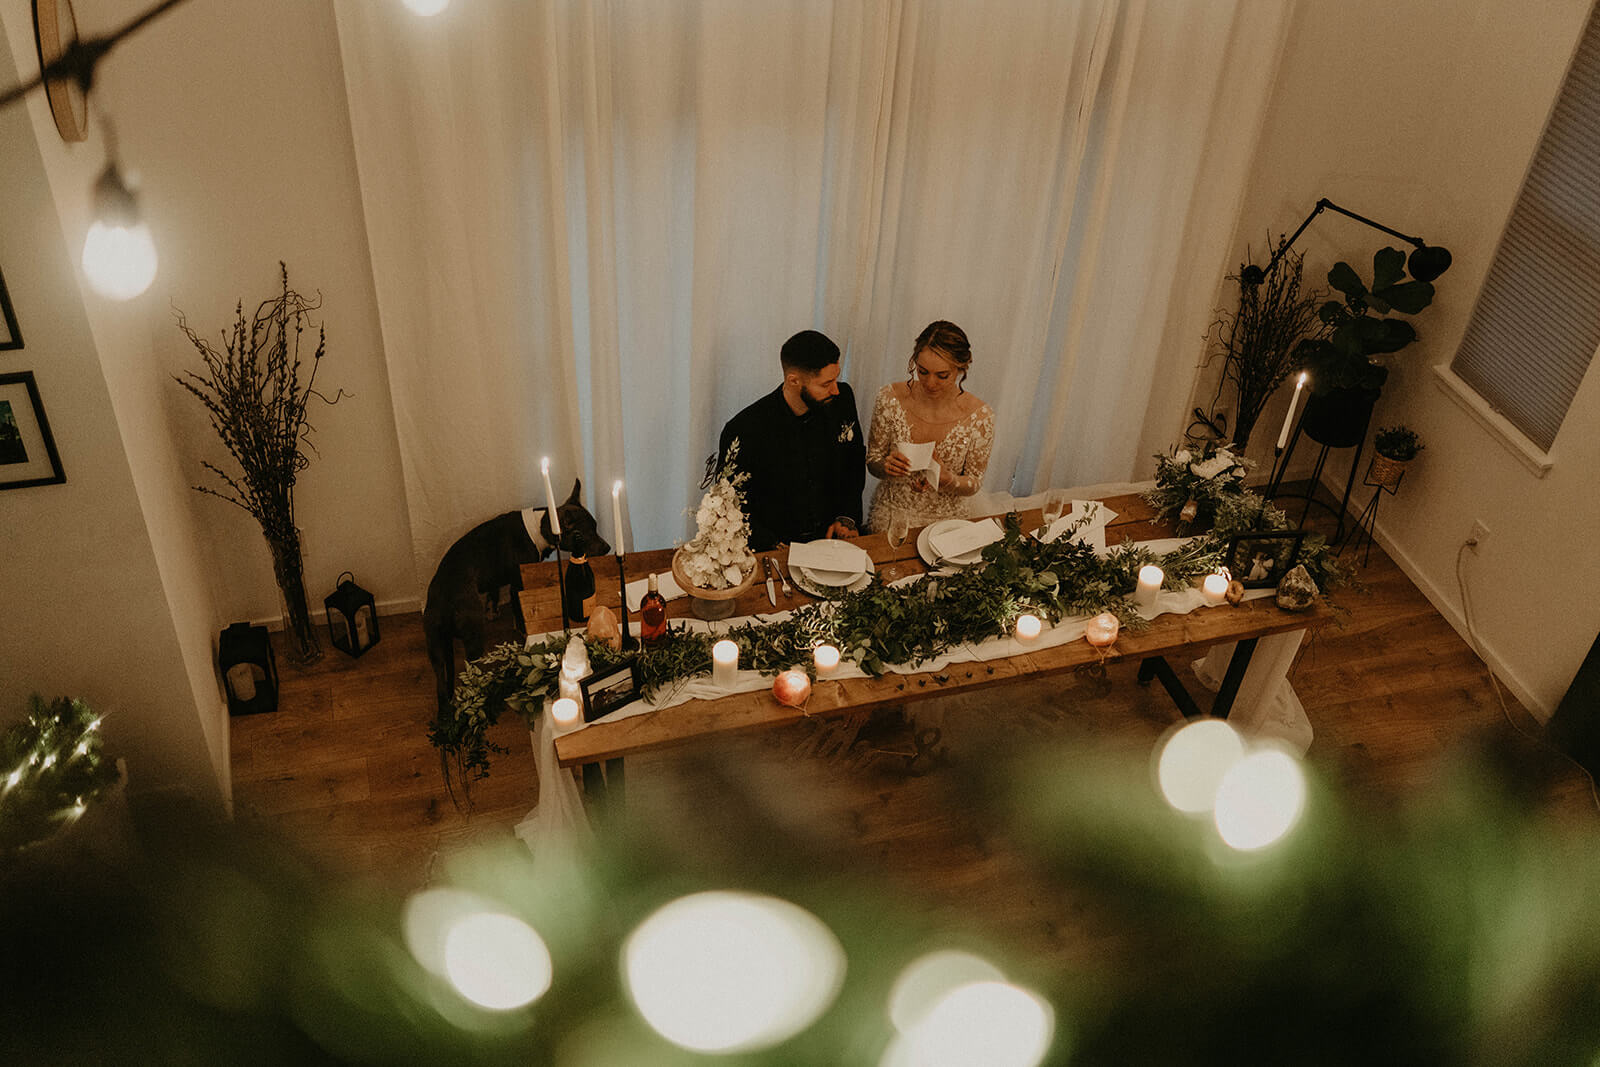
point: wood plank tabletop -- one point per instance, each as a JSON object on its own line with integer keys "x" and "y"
{"x": 1167, "y": 635}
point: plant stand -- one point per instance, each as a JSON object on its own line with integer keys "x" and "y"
{"x": 1388, "y": 478}
{"x": 1309, "y": 496}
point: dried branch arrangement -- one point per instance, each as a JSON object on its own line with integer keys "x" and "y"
{"x": 1257, "y": 342}
{"x": 256, "y": 397}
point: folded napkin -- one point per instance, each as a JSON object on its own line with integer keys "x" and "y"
{"x": 666, "y": 585}
{"x": 829, "y": 554}
{"x": 958, "y": 541}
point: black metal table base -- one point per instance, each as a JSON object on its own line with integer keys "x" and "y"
{"x": 1158, "y": 667}
{"x": 604, "y": 787}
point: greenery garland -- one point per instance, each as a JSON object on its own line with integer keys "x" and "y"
{"x": 879, "y": 625}
{"x": 52, "y": 768}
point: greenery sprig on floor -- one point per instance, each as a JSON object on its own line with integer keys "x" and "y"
{"x": 877, "y": 626}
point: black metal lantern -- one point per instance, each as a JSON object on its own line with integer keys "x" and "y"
{"x": 352, "y": 617}
{"x": 249, "y": 670}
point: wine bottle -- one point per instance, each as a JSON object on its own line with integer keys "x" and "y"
{"x": 652, "y": 615}
{"x": 580, "y": 589}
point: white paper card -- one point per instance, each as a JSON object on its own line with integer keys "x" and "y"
{"x": 920, "y": 456}
{"x": 960, "y": 540}
{"x": 666, "y": 585}
{"x": 828, "y": 554}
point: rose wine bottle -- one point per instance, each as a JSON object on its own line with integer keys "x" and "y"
{"x": 652, "y": 615}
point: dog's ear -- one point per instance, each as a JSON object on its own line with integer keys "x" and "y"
{"x": 577, "y": 488}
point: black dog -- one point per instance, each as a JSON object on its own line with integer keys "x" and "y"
{"x": 487, "y": 559}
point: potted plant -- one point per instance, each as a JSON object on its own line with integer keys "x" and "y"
{"x": 256, "y": 390}
{"x": 1393, "y": 448}
{"x": 1345, "y": 377}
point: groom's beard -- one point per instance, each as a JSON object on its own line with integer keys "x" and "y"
{"x": 814, "y": 405}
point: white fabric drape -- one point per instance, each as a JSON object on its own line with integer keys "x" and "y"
{"x": 593, "y": 224}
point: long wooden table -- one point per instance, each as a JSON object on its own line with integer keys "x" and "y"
{"x": 1168, "y": 636}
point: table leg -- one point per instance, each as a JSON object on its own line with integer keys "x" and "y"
{"x": 603, "y": 786}
{"x": 1238, "y": 664}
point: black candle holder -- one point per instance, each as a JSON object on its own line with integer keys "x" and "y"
{"x": 629, "y": 642}
{"x": 561, "y": 586}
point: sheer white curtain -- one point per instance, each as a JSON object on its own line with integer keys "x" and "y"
{"x": 593, "y": 224}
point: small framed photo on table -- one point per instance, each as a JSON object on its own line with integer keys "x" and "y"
{"x": 28, "y": 454}
{"x": 606, "y": 691}
{"x": 1260, "y": 560}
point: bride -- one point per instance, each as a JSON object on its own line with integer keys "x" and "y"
{"x": 932, "y": 405}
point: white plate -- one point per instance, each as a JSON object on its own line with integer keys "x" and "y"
{"x": 932, "y": 558}
{"x": 807, "y": 581}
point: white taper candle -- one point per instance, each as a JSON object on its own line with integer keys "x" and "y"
{"x": 550, "y": 496}
{"x": 616, "y": 517}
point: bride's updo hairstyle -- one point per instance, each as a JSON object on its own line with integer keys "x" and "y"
{"x": 948, "y": 340}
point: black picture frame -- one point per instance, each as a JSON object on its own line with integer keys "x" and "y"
{"x": 1260, "y": 560}
{"x": 606, "y": 691}
{"x": 28, "y": 455}
{"x": 10, "y": 332}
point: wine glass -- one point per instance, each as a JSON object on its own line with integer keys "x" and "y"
{"x": 899, "y": 527}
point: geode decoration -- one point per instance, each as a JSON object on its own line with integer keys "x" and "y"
{"x": 1297, "y": 592}
{"x": 603, "y": 626}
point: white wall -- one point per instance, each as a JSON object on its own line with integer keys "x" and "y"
{"x": 1424, "y": 116}
{"x": 234, "y": 118}
{"x": 86, "y": 612}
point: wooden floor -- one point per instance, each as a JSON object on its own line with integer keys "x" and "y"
{"x": 344, "y": 767}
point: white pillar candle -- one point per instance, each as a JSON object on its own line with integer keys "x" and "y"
{"x": 1215, "y": 589}
{"x": 565, "y": 714}
{"x": 826, "y": 657}
{"x": 1101, "y": 631}
{"x": 724, "y": 663}
{"x": 1288, "y": 416}
{"x": 549, "y": 497}
{"x": 1150, "y": 578}
{"x": 616, "y": 517}
{"x": 1028, "y": 628}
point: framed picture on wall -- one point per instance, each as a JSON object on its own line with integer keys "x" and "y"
{"x": 10, "y": 332}
{"x": 27, "y": 451}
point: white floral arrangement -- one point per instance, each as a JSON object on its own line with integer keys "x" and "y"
{"x": 719, "y": 556}
{"x": 1190, "y": 481}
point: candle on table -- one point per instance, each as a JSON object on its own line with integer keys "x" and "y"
{"x": 567, "y": 685}
{"x": 564, "y": 714}
{"x": 1028, "y": 628}
{"x": 549, "y": 497}
{"x": 1288, "y": 416}
{"x": 826, "y": 658}
{"x": 791, "y": 688}
{"x": 616, "y": 516}
{"x": 1101, "y": 631}
{"x": 724, "y": 663}
{"x": 1215, "y": 589}
{"x": 1150, "y": 578}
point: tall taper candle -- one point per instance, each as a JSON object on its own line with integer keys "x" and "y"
{"x": 1288, "y": 416}
{"x": 616, "y": 516}
{"x": 550, "y": 497}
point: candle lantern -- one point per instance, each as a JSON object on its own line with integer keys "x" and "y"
{"x": 352, "y": 617}
{"x": 249, "y": 670}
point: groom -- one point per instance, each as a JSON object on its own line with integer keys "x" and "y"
{"x": 803, "y": 448}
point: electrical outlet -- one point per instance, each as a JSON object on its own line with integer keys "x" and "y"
{"x": 1478, "y": 534}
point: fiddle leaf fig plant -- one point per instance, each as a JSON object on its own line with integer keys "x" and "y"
{"x": 1361, "y": 325}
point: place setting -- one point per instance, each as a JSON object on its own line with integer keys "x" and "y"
{"x": 825, "y": 567}
{"x": 951, "y": 544}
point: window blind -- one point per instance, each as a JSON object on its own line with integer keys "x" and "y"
{"x": 1537, "y": 322}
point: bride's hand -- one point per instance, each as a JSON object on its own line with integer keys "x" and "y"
{"x": 896, "y": 465}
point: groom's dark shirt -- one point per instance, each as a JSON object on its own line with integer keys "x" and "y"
{"x": 805, "y": 470}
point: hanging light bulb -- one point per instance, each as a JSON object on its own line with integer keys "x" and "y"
{"x": 427, "y": 7}
{"x": 119, "y": 256}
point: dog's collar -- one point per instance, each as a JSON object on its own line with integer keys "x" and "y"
{"x": 531, "y": 520}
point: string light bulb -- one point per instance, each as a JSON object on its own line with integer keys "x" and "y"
{"x": 119, "y": 255}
